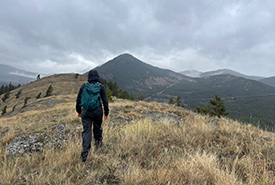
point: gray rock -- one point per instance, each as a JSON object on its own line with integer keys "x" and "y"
{"x": 59, "y": 127}
{"x": 28, "y": 144}
{"x": 25, "y": 144}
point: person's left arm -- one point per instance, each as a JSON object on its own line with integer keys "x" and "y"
{"x": 78, "y": 100}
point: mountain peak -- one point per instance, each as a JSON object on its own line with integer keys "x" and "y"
{"x": 125, "y": 55}
{"x": 134, "y": 75}
{"x": 125, "y": 59}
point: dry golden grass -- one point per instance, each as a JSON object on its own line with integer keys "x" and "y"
{"x": 195, "y": 150}
{"x": 63, "y": 84}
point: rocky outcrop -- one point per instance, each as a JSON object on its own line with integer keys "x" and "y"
{"x": 25, "y": 144}
{"x": 28, "y": 144}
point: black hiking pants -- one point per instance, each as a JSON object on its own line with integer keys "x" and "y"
{"x": 89, "y": 119}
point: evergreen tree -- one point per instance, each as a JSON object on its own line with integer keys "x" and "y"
{"x": 218, "y": 107}
{"x": 25, "y": 102}
{"x": 115, "y": 89}
{"x": 6, "y": 88}
{"x": 49, "y": 91}
{"x": 203, "y": 110}
{"x": 11, "y": 86}
{"x": 38, "y": 96}
{"x": 109, "y": 94}
{"x": 6, "y": 96}
{"x": 18, "y": 94}
{"x": 214, "y": 108}
{"x": 171, "y": 101}
{"x": 2, "y": 89}
{"x": 178, "y": 101}
{"x": 4, "y": 110}
{"x": 110, "y": 84}
{"x": 123, "y": 94}
{"x": 13, "y": 108}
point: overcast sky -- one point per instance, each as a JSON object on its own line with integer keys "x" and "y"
{"x": 54, "y": 36}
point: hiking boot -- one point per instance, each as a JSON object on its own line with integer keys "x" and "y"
{"x": 98, "y": 143}
{"x": 83, "y": 157}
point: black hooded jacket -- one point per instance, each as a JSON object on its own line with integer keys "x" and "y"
{"x": 93, "y": 77}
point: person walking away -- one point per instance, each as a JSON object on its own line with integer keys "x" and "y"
{"x": 89, "y": 101}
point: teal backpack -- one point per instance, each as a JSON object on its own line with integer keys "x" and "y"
{"x": 90, "y": 97}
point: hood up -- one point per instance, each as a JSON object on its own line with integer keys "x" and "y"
{"x": 93, "y": 76}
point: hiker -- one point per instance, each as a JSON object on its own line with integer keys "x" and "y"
{"x": 91, "y": 114}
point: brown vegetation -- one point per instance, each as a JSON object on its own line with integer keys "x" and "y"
{"x": 145, "y": 143}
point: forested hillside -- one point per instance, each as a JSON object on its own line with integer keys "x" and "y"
{"x": 155, "y": 84}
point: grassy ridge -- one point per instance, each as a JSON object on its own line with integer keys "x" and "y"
{"x": 193, "y": 150}
{"x": 63, "y": 84}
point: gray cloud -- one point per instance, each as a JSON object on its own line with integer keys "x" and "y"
{"x": 71, "y": 36}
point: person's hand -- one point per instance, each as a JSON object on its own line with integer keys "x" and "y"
{"x": 106, "y": 117}
{"x": 79, "y": 115}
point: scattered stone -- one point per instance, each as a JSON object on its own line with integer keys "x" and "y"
{"x": 28, "y": 144}
{"x": 25, "y": 144}
{"x": 59, "y": 127}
